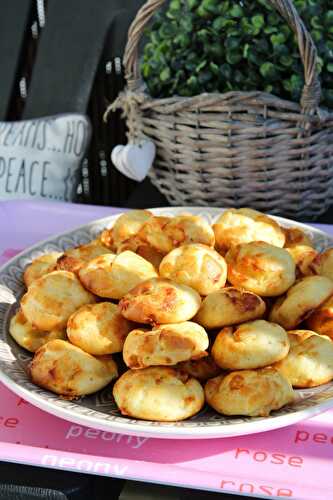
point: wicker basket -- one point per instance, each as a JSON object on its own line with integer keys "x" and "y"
{"x": 238, "y": 148}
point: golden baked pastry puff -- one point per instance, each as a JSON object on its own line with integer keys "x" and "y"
{"x": 75, "y": 258}
{"x": 65, "y": 369}
{"x": 300, "y": 300}
{"x": 165, "y": 345}
{"x": 128, "y": 225}
{"x": 303, "y": 256}
{"x": 243, "y": 225}
{"x": 296, "y": 237}
{"x": 249, "y": 392}
{"x": 51, "y": 299}
{"x": 197, "y": 266}
{"x": 229, "y": 306}
{"x": 98, "y": 328}
{"x": 160, "y": 300}
{"x": 164, "y": 234}
{"x": 310, "y": 359}
{"x": 112, "y": 276}
{"x": 261, "y": 268}
{"x": 251, "y": 345}
{"x": 158, "y": 393}
{"x": 41, "y": 265}
{"x": 323, "y": 264}
{"x": 321, "y": 320}
{"x": 29, "y": 337}
{"x": 136, "y": 245}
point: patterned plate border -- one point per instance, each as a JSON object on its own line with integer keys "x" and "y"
{"x": 99, "y": 410}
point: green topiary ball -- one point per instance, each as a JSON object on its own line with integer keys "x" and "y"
{"x": 197, "y": 46}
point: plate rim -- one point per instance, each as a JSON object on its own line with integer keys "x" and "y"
{"x": 165, "y": 430}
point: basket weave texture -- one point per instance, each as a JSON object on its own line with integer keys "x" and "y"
{"x": 238, "y": 148}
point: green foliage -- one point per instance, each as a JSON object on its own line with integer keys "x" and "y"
{"x": 199, "y": 46}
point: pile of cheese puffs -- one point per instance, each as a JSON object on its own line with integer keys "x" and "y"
{"x": 236, "y": 315}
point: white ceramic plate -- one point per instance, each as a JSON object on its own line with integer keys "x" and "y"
{"x": 99, "y": 410}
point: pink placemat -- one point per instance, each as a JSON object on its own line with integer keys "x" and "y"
{"x": 294, "y": 462}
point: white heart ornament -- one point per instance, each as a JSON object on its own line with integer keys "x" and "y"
{"x": 134, "y": 160}
{"x": 117, "y": 160}
{"x": 116, "y": 153}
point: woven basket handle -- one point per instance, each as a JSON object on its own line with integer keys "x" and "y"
{"x": 311, "y": 92}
